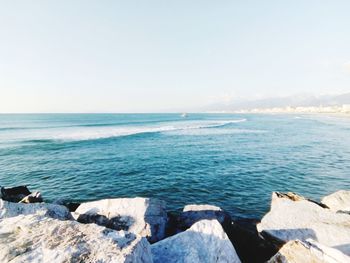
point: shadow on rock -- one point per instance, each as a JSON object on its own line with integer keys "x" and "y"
{"x": 179, "y": 222}
{"x": 250, "y": 246}
{"x": 14, "y": 194}
{"x": 116, "y": 223}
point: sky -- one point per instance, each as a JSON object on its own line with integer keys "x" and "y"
{"x": 156, "y": 55}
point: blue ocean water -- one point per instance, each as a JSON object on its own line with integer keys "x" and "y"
{"x": 230, "y": 160}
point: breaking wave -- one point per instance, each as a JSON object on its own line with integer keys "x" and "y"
{"x": 94, "y": 133}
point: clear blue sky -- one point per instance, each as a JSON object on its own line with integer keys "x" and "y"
{"x": 132, "y": 56}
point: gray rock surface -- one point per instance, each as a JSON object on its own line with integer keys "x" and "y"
{"x": 338, "y": 201}
{"x": 37, "y": 238}
{"x": 9, "y": 209}
{"x": 290, "y": 220}
{"x": 308, "y": 251}
{"x": 143, "y": 216}
{"x": 204, "y": 242}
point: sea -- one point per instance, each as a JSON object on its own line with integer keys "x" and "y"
{"x": 234, "y": 161}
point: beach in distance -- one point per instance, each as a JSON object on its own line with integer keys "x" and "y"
{"x": 233, "y": 161}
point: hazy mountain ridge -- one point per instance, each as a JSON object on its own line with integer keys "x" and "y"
{"x": 281, "y": 102}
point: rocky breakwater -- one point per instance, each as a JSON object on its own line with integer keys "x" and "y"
{"x": 110, "y": 230}
{"x": 141, "y": 230}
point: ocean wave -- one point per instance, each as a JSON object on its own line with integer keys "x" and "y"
{"x": 96, "y": 133}
{"x": 204, "y": 132}
{"x": 92, "y": 125}
{"x": 15, "y": 128}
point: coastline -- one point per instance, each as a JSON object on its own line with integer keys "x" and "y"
{"x": 340, "y": 114}
{"x": 343, "y": 110}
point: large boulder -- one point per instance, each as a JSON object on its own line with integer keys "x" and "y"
{"x": 9, "y": 209}
{"x": 36, "y": 238}
{"x": 297, "y": 251}
{"x": 204, "y": 242}
{"x": 143, "y": 216}
{"x": 302, "y": 219}
{"x": 338, "y": 201}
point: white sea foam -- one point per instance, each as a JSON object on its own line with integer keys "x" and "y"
{"x": 98, "y": 132}
{"x": 201, "y": 132}
{"x": 92, "y": 133}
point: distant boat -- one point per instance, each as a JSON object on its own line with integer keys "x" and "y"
{"x": 184, "y": 115}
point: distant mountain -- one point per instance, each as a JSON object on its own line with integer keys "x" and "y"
{"x": 279, "y": 102}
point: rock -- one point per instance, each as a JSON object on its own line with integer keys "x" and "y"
{"x": 14, "y": 194}
{"x": 9, "y": 209}
{"x": 204, "y": 242}
{"x": 143, "y": 216}
{"x": 32, "y": 198}
{"x": 290, "y": 220}
{"x": 295, "y": 197}
{"x": 34, "y": 238}
{"x": 297, "y": 251}
{"x": 338, "y": 201}
{"x": 193, "y": 208}
{"x": 290, "y": 195}
{"x": 194, "y": 213}
{"x": 241, "y": 231}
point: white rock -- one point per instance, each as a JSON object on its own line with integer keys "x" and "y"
{"x": 143, "y": 216}
{"x": 204, "y": 242}
{"x": 9, "y": 209}
{"x": 35, "y": 238}
{"x": 194, "y": 213}
{"x": 201, "y": 208}
{"x": 338, "y": 201}
{"x": 290, "y": 220}
{"x": 297, "y": 251}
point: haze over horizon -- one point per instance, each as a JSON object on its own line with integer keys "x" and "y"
{"x": 85, "y": 56}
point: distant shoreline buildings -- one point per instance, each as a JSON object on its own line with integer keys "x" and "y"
{"x": 339, "y": 109}
{"x": 343, "y": 109}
